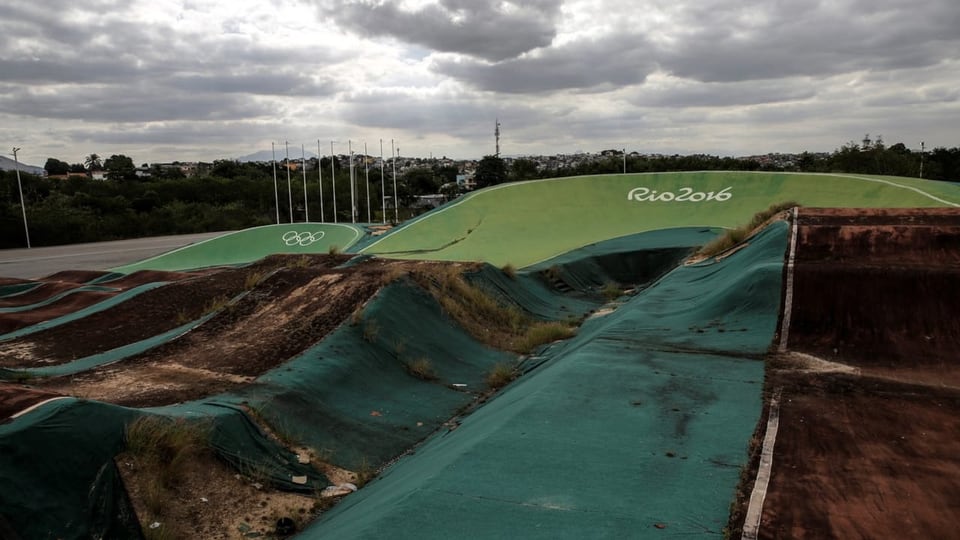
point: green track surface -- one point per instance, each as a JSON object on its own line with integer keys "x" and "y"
{"x": 525, "y": 223}
{"x": 243, "y": 247}
{"x": 636, "y": 428}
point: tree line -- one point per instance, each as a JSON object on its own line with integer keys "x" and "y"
{"x": 868, "y": 157}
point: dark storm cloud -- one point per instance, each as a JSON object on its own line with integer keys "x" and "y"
{"x": 618, "y": 60}
{"x": 723, "y": 41}
{"x": 755, "y": 40}
{"x": 488, "y": 29}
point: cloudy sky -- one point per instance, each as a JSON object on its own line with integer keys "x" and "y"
{"x": 163, "y": 80}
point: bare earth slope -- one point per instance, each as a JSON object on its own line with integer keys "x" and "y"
{"x": 870, "y": 408}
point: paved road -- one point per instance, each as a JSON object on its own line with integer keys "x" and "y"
{"x": 43, "y": 261}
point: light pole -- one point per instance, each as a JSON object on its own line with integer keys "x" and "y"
{"x": 383, "y": 186}
{"x": 366, "y": 171}
{"x": 23, "y": 204}
{"x": 396, "y": 207}
{"x": 303, "y": 167}
{"x": 289, "y": 189}
{"x": 276, "y": 190}
{"x": 320, "y": 180}
{"x": 353, "y": 197}
{"x": 922, "y": 148}
{"x": 333, "y": 178}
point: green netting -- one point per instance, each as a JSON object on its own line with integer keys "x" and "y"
{"x": 14, "y": 289}
{"x": 106, "y": 357}
{"x": 58, "y": 475}
{"x": 352, "y": 396}
{"x": 544, "y": 290}
{"x": 250, "y": 245}
{"x": 636, "y": 428}
{"x": 527, "y": 222}
{"x": 631, "y": 260}
{"x": 57, "y": 297}
{"x": 99, "y": 306}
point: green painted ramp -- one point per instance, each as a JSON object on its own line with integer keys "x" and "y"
{"x": 249, "y": 245}
{"x": 636, "y": 428}
{"x": 527, "y": 222}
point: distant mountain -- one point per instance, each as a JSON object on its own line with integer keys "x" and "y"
{"x": 7, "y": 164}
{"x": 266, "y": 155}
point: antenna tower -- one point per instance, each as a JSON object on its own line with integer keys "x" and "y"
{"x": 496, "y": 133}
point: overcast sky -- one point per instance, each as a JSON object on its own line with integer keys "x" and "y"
{"x": 163, "y": 80}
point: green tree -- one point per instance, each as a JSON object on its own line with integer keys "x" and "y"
{"x": 490, "y": 171}
{"x": 120, "y": 167}
{"x": 55, "y": 166}
{"x": 523, "y": 169}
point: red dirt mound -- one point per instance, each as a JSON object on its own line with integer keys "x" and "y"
{"x": 10, "y": 322}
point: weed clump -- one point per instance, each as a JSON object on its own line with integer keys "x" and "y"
{"x": 163, "y": 449}
{"x": 501, "y": 375}
{"x": 734, "y": 236}
{"x": 421, "y": 368}
{"x": 546, "y": 332}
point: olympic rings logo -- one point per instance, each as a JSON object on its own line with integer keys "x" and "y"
{"x": 294, "y": 238}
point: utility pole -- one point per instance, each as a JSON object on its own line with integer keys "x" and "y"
{"x": 23, "y": 204}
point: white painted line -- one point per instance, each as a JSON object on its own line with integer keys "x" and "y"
{"x": 788, "y": 286}
{"x": 38, "y": 405}
{"x": 751, "y": 525}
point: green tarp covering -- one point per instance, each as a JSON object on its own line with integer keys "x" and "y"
{"x": 636, "y": 428}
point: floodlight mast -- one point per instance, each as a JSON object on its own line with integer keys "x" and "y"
{"x": 396, "y": 205}
{"x": 289, "y": 189}
{"x": 23, "y": 204}
{"x": 353, "y": 199}
{"x": 922, "y": 145}
{"x": 383, "y": 186}
{"x": 333, "y": 175}
{"x": 276, "y": 190}
{"x": 320, "y": 180}
{"x": 366, "y": 171}
{"x": 303, "y": 166}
